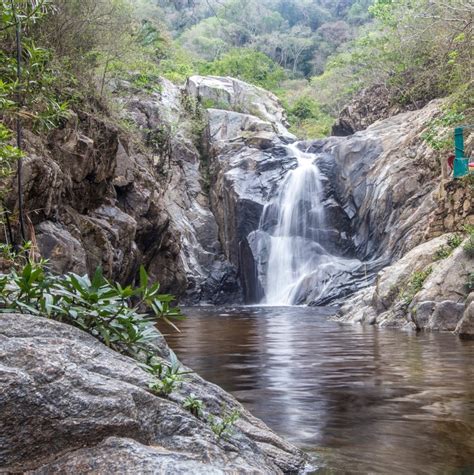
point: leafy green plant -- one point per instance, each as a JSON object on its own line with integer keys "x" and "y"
{"x": 442, "y": 253}
{"x": 166, "y": 376}
{"x": 455, "y": 241}
{"x": 439, "y": 130}
{"x": 121, "y": 317}
{"x": 222, "y": 426}
{"x": 414, "y": 285}
{"x": 445, "y": 251}
{"x": 51, "y": 115}
{"x": 194, "y": 405}
{"x": 14, "y": 258}
{"x": 9, "y": 154}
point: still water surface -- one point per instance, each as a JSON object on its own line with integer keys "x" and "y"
{"x": 362, "y": 399}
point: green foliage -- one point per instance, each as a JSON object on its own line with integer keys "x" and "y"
{"x": 445, "y": 251}
{"x": 414, "y": 285}
{"x": 304, "y": 108}
{"x": 14, "y": 258}
{"x": 248, "y": 65}
{"x": 439, "y": 132}
{"x": 307, "y": 119}
{"x": 298, "y": 35}
{"x": 194, "y": 405}
{"x": 415, "y": 51}
{"x": 38, "y": 96}
{"x": 455, "y": 241}
{"x": 97, "y": 306}
{"x": 166, "y": 376}
{"x": 9, "y": 154}
{"x": 442, "y": 253}
{"x": 222, "y": 426}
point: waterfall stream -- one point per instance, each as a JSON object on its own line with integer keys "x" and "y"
{"x": 297, "y": 262}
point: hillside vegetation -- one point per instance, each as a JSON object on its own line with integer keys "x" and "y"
{"x": 314, "y": 54}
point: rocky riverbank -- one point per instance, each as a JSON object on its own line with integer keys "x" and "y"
{"x": 72, "y": 405}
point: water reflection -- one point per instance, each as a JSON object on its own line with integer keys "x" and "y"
{"x": 365, "y": 399}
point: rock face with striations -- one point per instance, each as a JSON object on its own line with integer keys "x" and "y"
{"x": 187, "y": 201}
{"x": 72, "y": 405}
{"x": 419, "y": 291}
{"x": 247, "y": 160}
{"x": 100, "y": 198}
{"x": 385, "y": 178}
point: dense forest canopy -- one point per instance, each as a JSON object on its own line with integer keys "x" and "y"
{"x": 314, "y": 54}
{"x": 299, "y": 35}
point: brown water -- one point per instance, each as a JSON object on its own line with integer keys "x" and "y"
{"x": 362, "y": 399}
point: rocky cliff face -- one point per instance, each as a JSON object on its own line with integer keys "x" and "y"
{"x": 72, "y": 405}
{"x": 385, "y": 178}
{"x": 428, "y": 288}
{"x": 98, "y": 196}
{"x": 186, "y": 198}
{"x": 95, "y": 198}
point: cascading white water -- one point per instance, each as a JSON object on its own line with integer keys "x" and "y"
{"x": 298, "y": 207}
{"x": 297, "y": 260}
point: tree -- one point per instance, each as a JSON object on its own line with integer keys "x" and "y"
{"x": 17, "y": 15}
{"x": 248, "y": 65}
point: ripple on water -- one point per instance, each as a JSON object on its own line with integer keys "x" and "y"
{"x": 364, "y": 399}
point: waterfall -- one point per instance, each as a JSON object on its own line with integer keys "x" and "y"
{"x": 296, "y": 262}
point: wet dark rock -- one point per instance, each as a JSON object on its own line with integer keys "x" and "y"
{"x": 421, "y": 317}
{"x": 383, "y": 179}
{"x": 446, "y": 316}
{"x": 465, "y": 327}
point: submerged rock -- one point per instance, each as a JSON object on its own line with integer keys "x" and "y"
{"x": 70, "y": 404}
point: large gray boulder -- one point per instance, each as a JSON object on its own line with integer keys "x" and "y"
{"x": 71, "y": 405}
{"x": 171, "y": 125}
{"x": 232, "y": 94}
{"x": 439, "y": 303}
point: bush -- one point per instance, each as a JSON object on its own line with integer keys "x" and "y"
{"x": 248, "y": 65}
{"x": 443, "y": 252}
{"x": 97, "y": 306}
{"x": 414, "y": 285}
{"x": 307, "y": 120}
{"x": 222, "y": 426}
